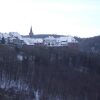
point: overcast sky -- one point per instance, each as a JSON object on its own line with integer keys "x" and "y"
{"x": 68, "y": 17}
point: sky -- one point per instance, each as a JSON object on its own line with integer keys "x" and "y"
{"x": 65, "y": 17}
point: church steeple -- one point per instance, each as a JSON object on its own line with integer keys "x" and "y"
{"x": 31, "y": 32}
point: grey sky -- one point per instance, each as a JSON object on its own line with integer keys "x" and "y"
{"x": 67, "y": 17}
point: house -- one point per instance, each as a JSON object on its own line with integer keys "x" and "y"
{"x": 33, "y": 41}
{"x": 17, "y": 41}
{"x": 68, "y": 41}
{"x": 38, "y": 42}
{"x": 60, "y": 41}
{"x": 72, "y": 42}
{"x": 5, "y": 37}
{"x": 28, "y": 41}
{"x": 50, "y": 41}
{"x": 15, "y": 38}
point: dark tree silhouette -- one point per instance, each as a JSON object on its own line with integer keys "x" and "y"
{"x": 3, "y": 40}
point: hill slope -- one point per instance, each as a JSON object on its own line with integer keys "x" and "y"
{"x": 89, "y": 44}
{"x": 50, "y": 73}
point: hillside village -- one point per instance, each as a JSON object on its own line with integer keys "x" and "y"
{"x": 56, "y": 71}
{"x": 14, "y": 38}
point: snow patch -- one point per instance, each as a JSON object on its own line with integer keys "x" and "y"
{"x": 19, "y": 57}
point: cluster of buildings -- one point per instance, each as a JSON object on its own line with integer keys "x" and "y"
{"x": 50, "y": 41}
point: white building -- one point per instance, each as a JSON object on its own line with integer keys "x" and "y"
{"x": 60, "y": 41}
{"x": 32, "y": 41}
{"x": 50, "y": 41}
{"x": 64, "y": 41}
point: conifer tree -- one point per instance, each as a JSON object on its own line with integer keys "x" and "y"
{"x": 3, "y": 40}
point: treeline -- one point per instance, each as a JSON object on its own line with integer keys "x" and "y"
{"x": 56, "y": 73}
{"x": 91, "y": 44}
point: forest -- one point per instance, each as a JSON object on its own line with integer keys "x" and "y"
{"x": 89, "y": 44}
{"x": 48, "y": 73}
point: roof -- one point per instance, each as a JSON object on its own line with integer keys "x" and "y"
{"x": 39, "y": 40}
{"x": 50, "y": 38}
{"x": 28, "y": 41}
{"x": 15, "y": 34}
{"x": 5, "y": 35}
{"x": 69, "y": 39}
{"x": 31, "y": 41}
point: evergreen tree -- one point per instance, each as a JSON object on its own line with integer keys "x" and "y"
{"x": 3, "y": 40}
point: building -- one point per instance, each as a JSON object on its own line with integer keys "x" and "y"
{"x": 38, "y": 42}
{"x": 31, "y": 33}
{"x": 50, "y": 41}
{"x": 15, "y": 38}
{"x": 68, "y": 41}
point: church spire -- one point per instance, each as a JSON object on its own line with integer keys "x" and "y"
{"x": 31, "y": 32}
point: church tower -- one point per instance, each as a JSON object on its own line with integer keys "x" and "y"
{"x": 31, "y": 32}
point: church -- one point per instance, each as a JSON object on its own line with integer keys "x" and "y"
{"x": 31, "y": 33}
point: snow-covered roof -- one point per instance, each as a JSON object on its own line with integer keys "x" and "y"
{"x": 51, "y": 38}
{"x": 69, "y": 39}
{"x": 32, "y": 41}
{"x": 39, "y": 40}
{"x": 28, "y": 41}
{"x": 5, "y": 35}
{"x": 15, "y": 34}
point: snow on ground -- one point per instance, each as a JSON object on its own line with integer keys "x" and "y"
{"x": 19, "y": 57}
